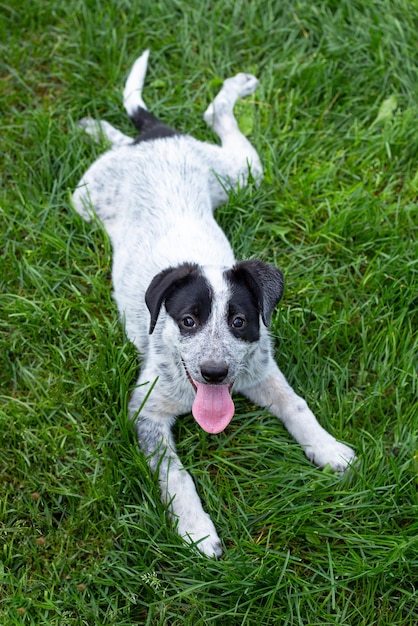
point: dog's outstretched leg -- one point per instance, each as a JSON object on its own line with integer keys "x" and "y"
{"x": 178, "y": 491}
{"x": 101, "y": 129}
{"x": 219, "y": 115}
{"x": 275, "y": 393}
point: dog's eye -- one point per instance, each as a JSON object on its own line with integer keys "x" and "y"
{"x": 238, "y": 322}
{"x": 188, "y": 322}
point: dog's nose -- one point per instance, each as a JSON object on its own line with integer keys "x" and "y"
{"x": 214, "y": 372}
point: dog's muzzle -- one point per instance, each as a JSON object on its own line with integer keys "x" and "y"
{"x": 213, "y": 407}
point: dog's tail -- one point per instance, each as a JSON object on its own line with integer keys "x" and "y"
{"x": 148, "y": 125}
{"x": 132, "y": 94}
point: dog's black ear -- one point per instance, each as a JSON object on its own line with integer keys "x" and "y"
{"x": 265, "y": 281}
{"x": 163, "y": 284}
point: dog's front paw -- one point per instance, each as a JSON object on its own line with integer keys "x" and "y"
{"x": 202, "y": 534}
{"x": 333, "y": 453}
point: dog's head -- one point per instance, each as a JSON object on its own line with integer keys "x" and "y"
{"x": 214, "y": 322}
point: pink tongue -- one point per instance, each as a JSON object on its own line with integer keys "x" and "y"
{"x": 213, "y": 408}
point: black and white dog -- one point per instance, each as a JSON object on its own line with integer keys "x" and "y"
{"x": 198, "y": 317}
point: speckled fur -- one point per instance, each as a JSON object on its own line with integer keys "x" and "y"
{"x": 156, "y": 200}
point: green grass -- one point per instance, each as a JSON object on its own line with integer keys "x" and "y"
{"x": 84, "y": 538}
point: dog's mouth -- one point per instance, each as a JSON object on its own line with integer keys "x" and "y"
{"x": 213, "y": 407}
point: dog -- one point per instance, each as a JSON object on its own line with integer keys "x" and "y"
{"x": 198, "y": 317}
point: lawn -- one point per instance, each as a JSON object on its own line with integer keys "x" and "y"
{"x": 84, "y": 538}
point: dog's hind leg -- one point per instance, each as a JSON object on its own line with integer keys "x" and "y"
{"x": 220, "y": 113}
{"x": 100, "y": 130}
{"x": 237, "y": 156}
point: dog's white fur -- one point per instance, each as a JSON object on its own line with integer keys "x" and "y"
{"x": 156, "y": 200}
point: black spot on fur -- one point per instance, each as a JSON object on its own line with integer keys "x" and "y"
{"x": 243, "y": 313}
{"x": 186, "y": 295}
{"x": 190, "y": 304}
{"x": 150, "y": 126}
{"x": 264, "y": 281}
